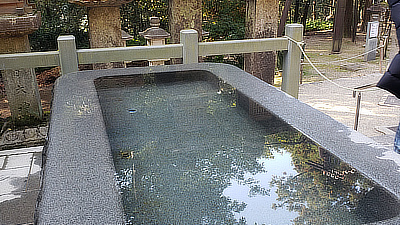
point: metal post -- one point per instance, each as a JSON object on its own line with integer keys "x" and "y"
{"x": 357, "y": 109}
{"x": 292, "y": 60}
{"x": 381, "y": 55}
{"x": 68, "y": 56}
{"x": 190, "y": 41}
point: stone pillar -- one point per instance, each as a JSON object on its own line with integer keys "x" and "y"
{"x": 371, "y": 40}
{"x": 104, "y": 26}
{"x": 21, "y": 85}
{"x": 184, "y": 14}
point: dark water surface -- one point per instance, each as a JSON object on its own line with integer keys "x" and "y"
{"x": 196, "y": 152}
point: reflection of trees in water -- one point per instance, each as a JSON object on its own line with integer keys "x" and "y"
{"x": 184, "y": 184}
{"x": 188, "y": 189}
{"x": 325, "y": 190}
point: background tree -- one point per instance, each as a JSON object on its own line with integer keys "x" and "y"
{"x": 348, "y": 19}
{"x": 59, "y": 18}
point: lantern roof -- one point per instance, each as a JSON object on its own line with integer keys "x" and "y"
{"x": 154, "y": 32}
{"x": 126, "y": 36}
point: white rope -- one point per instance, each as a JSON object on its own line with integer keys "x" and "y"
{"x": 362, "y": 54}
{"x": 300, "y": 45}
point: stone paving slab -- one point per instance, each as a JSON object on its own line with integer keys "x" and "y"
{"x": 19, "y": 184}
{"x": 19, "y": 151}
{"x": 18, "y": 161}
{"x": 2, "y": 160}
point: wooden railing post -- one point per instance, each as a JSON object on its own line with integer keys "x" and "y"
{"x": 292, "y": 60}
{"x": 189, "y": 40}
{"x": 68, "y": 56}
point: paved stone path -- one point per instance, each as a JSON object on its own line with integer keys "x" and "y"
{"x": 379, "y": 114}
{"x": 19, "y": 184}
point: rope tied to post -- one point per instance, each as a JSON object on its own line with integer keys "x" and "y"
{"x": 300, "y": 45}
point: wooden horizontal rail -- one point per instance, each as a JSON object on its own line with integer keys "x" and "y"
{"x": 29, "y": 60}
{"x": 104, "y": 55}
{"x": 242, "y": 46}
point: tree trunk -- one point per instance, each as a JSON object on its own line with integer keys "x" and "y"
{"x": 261, "y": 22}
{"x": 296, "y": 11}
{"x": 105, "y": 31}
{"x": 355, "y": 21}
{"x": 305, "y": 15}
{"x": 282, "y": 23}
{"x": 365, "y": 16}
{"x": 184, "y": 14}
{"x": 348, "y": 19}
{"x": 338, "y": 26}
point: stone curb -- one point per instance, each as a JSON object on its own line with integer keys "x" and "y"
{"x": 23, "y": 138}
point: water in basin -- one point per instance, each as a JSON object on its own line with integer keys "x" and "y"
{"x": 195, "y": 151}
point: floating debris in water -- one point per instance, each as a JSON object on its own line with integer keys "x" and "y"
{"x": 132, "y": 111}
{"x": 126, "y": 154}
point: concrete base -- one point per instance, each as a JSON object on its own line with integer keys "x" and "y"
{"x": 369, "y": 46}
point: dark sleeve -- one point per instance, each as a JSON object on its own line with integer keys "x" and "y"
{"x": 393, "y": 2}
{"x": 395, "y": 11}
{"x": 391, "y": 79}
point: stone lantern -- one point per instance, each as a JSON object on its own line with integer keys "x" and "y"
{"x": 376, "y": 11}
{"x": 16, "y": 22}
{"x": 104, "y": 25}
{"x": 155, "y": 36}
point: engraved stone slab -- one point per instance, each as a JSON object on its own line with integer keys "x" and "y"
{"x": 22, "y": 93}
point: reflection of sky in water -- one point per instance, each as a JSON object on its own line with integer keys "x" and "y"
{"x": 259, "y": 208}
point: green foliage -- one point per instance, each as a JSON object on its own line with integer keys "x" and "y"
{"x": 225, "y": 20}
{"x": 317, "y": 10}
{"x": 315, "y": 25}
{"x": 138, "y": 41}
{"x": 135, "y": 15}
{"x": 59, "y": 18}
